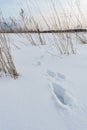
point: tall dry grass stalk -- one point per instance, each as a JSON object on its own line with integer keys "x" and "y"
{"x": 30, "y": 23}
{"x": 6, "y": 62}
{"x": 58, "y": 20}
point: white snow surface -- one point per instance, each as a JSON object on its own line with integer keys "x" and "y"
{"x": 50, "y": 93}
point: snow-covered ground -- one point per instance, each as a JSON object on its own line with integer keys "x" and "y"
{"x": 50, "y": 93}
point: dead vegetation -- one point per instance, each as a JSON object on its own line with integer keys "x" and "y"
{"x": 62, "y": 29}
{"x": 6, "y": 62}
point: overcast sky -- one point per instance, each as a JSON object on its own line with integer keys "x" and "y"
{"x": 11, "y": 7}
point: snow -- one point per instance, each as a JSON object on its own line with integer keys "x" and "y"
{"x": 50, "y": 93}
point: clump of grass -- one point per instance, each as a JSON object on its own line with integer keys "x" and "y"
{"x": 30, "y": 24}
{"x": 31, "y": 28}
{"x": 6, "y": 62}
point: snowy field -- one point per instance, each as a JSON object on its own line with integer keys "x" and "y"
{"x": 50, "y": 93}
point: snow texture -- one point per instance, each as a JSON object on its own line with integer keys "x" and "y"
{"x": 50, "y": 93}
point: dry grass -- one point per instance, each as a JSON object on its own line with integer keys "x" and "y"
{"x": 31, "y": 22}
{"x": 6, "y": 62}
{"x": 58, "y": 25}
{"x": 59, "y": 20}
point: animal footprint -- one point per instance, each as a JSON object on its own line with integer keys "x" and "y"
{"x": 56, "y": 76}
{"x": 61, "y": 76}
{"x": 62, "y": 96}
{"x": 51, "y": 74}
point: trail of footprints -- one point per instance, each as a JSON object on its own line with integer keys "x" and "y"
{"x": 61, "y": 95}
